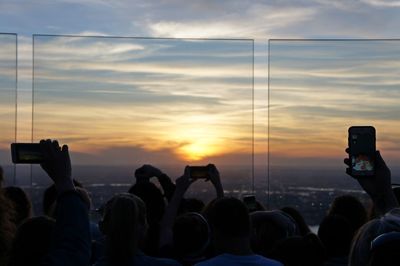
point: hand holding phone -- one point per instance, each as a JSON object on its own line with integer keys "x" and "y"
{"x": 362, "y": 149}
{"x": 370, "y": 169}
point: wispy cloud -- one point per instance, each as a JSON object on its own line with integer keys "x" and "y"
{"x": 255, "y": 21}
{"x": 382, "y": 3}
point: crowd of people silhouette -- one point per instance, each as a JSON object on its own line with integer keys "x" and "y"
{"x": 151, "y": 226}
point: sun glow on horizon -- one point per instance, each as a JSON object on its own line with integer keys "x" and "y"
{"x": 196, "y": 151}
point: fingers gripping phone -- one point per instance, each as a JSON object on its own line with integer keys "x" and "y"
{"x": 26, "y": 153}
{"x": 362, "y": 149}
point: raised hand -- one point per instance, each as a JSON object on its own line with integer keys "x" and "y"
{"x": 377, "y": 186}
{"x": 183, "y": 183}
{"x": 214, "y": 177}
{"x": 57, "y": 164}
{"x": 146, "y": 172}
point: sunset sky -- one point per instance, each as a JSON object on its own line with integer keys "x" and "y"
{"x": 191, "y": 98}
{"x": 318, "y": 89}
{"x": 163, "y": 98}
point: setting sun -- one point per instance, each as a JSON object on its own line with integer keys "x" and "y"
{"x": 196, "y": 151}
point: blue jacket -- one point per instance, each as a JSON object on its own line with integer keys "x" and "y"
{"x": 142, "y": 260}
{"x": 72, "y": 244}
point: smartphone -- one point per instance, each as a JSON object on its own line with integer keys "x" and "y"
{"x": 362, "y": 149}
{"x": 26, "y": 153}
{"x": 198, "y": 172}
{"x": 250, "y": 202}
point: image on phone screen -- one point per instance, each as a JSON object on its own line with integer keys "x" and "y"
{"x": 362, "y": 150}
{"x": 362, "y": 162}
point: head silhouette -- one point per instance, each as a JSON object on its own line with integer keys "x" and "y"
{"x": 336, "y": 234}
{"x": 32, "y": 241}
{"x": 270, "y": 227}
{"x": 229, "y": 218}
{"x": 351, "y": 208}
{"x": 191, "y": 234}
{"x": 298, "y": 218}
{"x": 22, "y": 204}
{"x": 374, "y": 243}
{"x": 124, "y": 225}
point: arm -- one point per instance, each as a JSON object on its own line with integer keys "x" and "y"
{"x": 215, "y": 179}
{"x": 378, "y": 186}
{"x": 144, "y": 173}
{"x": 71, "y": 245}
{"x": 167, "y": 222}
{"x": 167, "y": 186}
{"x": 182, "y": 184}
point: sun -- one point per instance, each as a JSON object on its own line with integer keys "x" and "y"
{"x": 196, "y": 151}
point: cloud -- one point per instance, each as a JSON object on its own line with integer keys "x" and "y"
{"x": 256, "y": 21}
{"x": 382, "y": 3}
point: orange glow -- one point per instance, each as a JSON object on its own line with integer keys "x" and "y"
{"x": 196, "y": 151}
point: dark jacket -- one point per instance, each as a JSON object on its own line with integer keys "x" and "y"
{"x": 72, "y": 244}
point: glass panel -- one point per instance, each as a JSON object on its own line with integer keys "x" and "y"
{"x": 318, "y": 89}
{"x": 123, "y": 102}
{"x": 8, "y": 89}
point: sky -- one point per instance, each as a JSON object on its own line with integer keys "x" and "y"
{"x": 297, "y": 97}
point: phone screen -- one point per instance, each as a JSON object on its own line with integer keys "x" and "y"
{"x": 362, "y": 150}
{"x": 199, "y": 172}
{"x": 28, "y": 153}
{"x": 250, "y": 202}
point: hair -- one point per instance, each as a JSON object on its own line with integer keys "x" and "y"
{"x": 229, "y": 217}
{"x": 21, "y": 202}
{"x": 7, "y": 226}
{"x": 270, "y": 227}
{"x": 191, "y": 205}
{"x": 123, "y": 221}
{"x": 360, "y": 253}
{"x": 50, "y": 197}
{"x": 32, "y": 241}
{"x": 153, "y": 198}
{"x": 336, "y": 234}
{"x": 191, "y": 234}
{"x": 351, "y": 208}
{"x": 298, "y": 218}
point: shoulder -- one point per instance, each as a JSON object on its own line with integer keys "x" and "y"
{"x": 150, "y": 261}
{"x": 266, "y": 261}
{"x": 226, "y": 259}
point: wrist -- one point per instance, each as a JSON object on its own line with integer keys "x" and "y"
{"x": 385, "y": 202}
